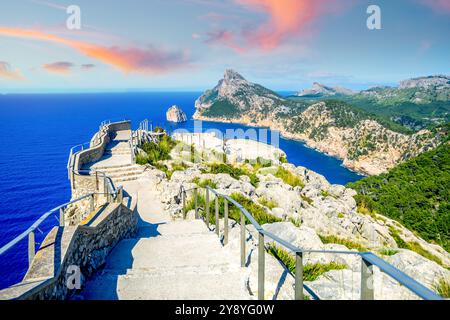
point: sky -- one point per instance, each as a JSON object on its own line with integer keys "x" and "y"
{"x": 185, "y": 45}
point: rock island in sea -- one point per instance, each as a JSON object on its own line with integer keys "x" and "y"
{"x": 175, "y": 114}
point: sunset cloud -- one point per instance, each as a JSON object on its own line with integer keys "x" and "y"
{"x": 148, "y": 60}
{"x": 87, "y": 66}
{"x": 7, "y": 72}
{"x": 61, "y": 67}
{"x": 283, "y": 19}
{"x": 286, "y": 18}
{"x": 437, "y": 5}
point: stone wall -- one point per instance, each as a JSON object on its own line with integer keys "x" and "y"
{"x": 83, "y": 184}
{"x": 85, "y": 247}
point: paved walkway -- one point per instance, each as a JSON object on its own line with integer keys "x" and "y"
{"x": 167, "y": 260}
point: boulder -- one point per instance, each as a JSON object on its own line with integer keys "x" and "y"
{"x": 175, "y": 114}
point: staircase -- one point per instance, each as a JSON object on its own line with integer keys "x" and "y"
{"x": 122, "y": 173}
{"x": 178, "y": 260}
{"x": 116, "y": 161}
{"x": 167, "y": 259}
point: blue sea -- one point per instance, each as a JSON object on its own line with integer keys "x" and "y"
{"x": 37, "y": 131}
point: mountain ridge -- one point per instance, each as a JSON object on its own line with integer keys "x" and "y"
{"x": 363, "y": 142}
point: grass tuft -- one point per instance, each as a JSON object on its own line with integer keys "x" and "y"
{"x": 348, "y": 243}
{"x": 289, "y": 178}
{"x": 310, "y": 271}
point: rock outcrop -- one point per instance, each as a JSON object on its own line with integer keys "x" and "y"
{"x": 320, "y": 90}
{"x": 175, "y": 114}
{"x": 316, "y": 215}
{"x": 336, "y": 128}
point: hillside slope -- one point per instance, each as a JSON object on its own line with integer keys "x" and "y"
{"x": 415, "y": 193}
{"x": 363, "y": 141}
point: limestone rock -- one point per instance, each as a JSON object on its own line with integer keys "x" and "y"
{"x": 175, "y": 114}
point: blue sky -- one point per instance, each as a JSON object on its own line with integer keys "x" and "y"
{"x": 187, "y": 44}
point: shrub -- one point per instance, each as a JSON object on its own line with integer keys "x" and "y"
{"x": 258, "y": 212}
{"x": 307, "y": 199}
{"x": 157, "y": 151}
{"x": 388, "y": 252}
{"x": 234, "y": 172}
{"x": 442, "y": 287}
{"x": 206, "y": 182}
{"x": 348, "y": 243}
{"x": 296, "y": 222}
{"x": 289, "y": 178}
{"x": 267, "y": 203}
{"x": 413, "y": 246}
{"x": 310, "y": 271}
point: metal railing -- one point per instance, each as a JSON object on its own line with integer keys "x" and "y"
{"x": 59, "y": 211}
{"x": 368, "y": 259}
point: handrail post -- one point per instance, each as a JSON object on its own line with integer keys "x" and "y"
{"x": 367, "y": 292}
{"x": 299, "y": 276}
{"x": 261, "y": 266}
{"x": 183, "y": 196}
{"x": 225, "y": 221}
{"x": 242, "y": 240}
{"x": 31, "y": 247}
{"x": 91, "y": 203}
{"x": 96, "y": 181}
{"x": 61, "y": 217}
{"x": 196, "y": 202}
{"x": 217, "y": 216}
{"x": 207, "y": 207}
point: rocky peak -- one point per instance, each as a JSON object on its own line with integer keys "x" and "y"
{"x": 319, "y": 90}
{"x": 426, "y": 82}
{"x": 231, "y": 75}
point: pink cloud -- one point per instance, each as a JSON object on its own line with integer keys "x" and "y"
{"x": 60, "y": 67}
{"x": 127, "y": 59}
{"x": 283, "y": 19}
{"x": 224, "y": 38}
{"x": 87, "y": 66}
{"x": 7, "y": 72}
{"x": 437, "y": 5}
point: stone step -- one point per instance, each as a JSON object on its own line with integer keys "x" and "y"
{"x": 117, "y": 152}
{"x": 179, "y": 286}
{"x": 124, "y": 173}
{"x": 112, "y": 170}
{"x": 125, "y": 179}
{"x": 106, "y": 167}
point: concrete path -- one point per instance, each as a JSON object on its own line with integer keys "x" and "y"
{"x": 167, "y": 260}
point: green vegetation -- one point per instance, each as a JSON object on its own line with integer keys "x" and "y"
{"x": 310, "y": 271}
{"x": 296, "y": 222}
{"x": 267, "y": 203}
{"x": 388, "y": 252}
{"x": 258, "y": 212}
{"x": 341, "y": 215}
{"x": 234, "y": 172}
{"x": 289, "y": 178}
{"x": 155, "y": 152}
{"x": 443, "y": 288}
{"x": 204, "y": 183}
{"x": 415, "y": 193}
{"x": 348, "y": 243}
{"x": 307, "y": 199}
{"x": 326, "y": 194}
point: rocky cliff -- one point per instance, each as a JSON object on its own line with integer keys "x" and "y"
{"x": 175, "y": 114}
{"x": 336, "y": 128}
{"x": 320, "y": 90}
